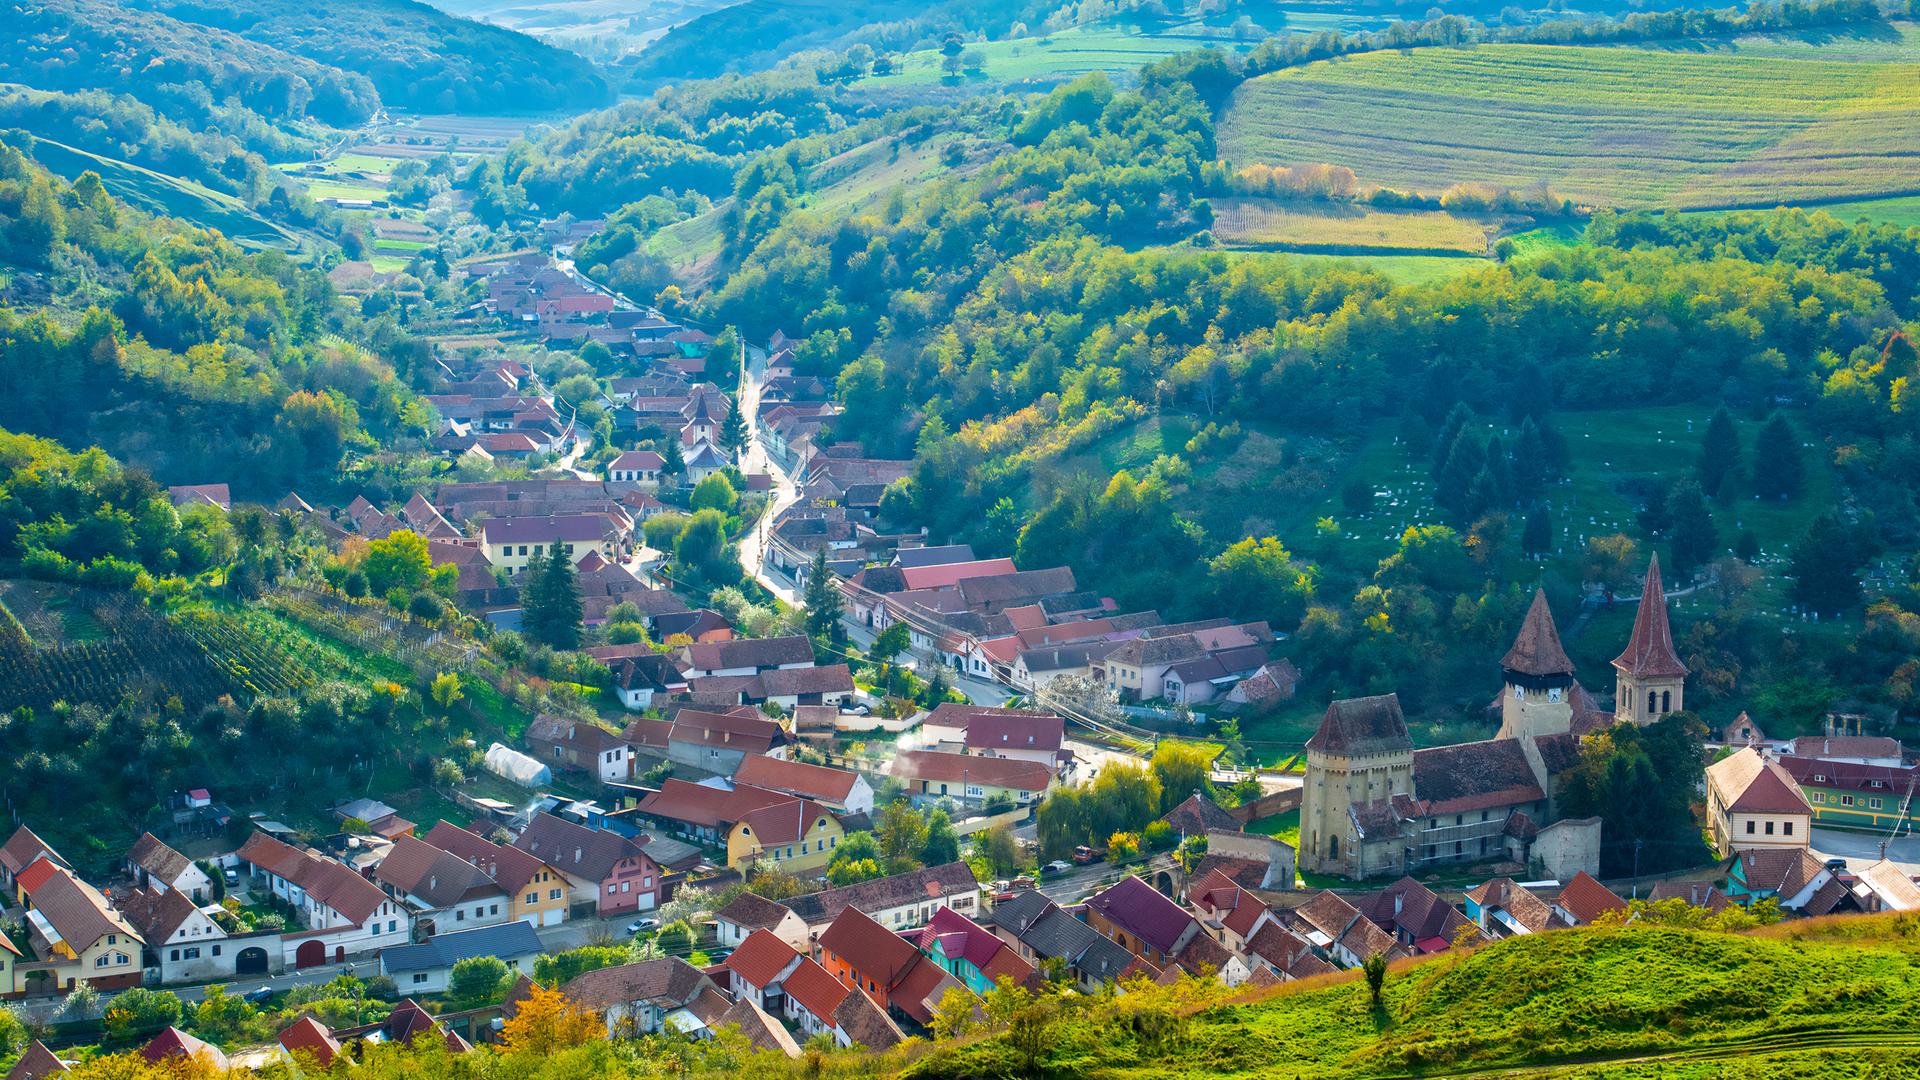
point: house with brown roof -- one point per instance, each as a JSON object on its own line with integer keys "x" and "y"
{"x": 717, "y": 742}
{"x": 840, "y": 790}
{"x": 342, "y": 913}
{"x": 1231, "y": 914}
{"x": 971, "y": 953}
{"x": 22, "y": 850}
{"x": 154, "y": 865}
{"x": 702, "y": 813}
{"x": 900, "y": 901}
{"x": 750, "y": 912}
{"x": 182, "y": 942}
{"x": 1198, "y": 815}
{"x": 173, "y": 1044}
{"x": 1701, "y": 894}
{"x": 580, "y": 746}
{"x": 1340, "y": 931}
{"x": 1133, "y": 915}
{"x": 758, "y": 968}
{"x": 931, "y": 776}
{"x": 1753, "y": 802}
{"x": 746, "y": 656}
{"x": 1790, "y": 875}
{"x": 1501, "y": 908}
{"x": 445, "y": 892}
{"x": 1583, "y": 901}
{"x": 537, "y": 893}
{"x": 37, "y": 1063}
{"x": 817, "y": 1002}
{"x": 1887, "y": 886}
{"x": 308, "y": 1037}
{"x": 637, "y": 999}
{"x": 615, "y": 872}
{"x": 1851, "y": 749}
{"x": 77, "y": 936}
{"x": 1416, "y": 916}
{"x": 1283, "y": 954}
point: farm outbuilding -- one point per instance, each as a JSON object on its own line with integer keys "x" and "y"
{"x": 505, "y": 761}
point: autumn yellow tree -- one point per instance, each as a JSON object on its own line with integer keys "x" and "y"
{"x": 546, "y": 1021}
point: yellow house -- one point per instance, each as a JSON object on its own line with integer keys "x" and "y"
{"x": 511, "y": 542}
{"x": 1753, "y": 802}
{"x": 79, "y": 936}
{"x": 797, "y": 837}
{"x": 538, "y": 893}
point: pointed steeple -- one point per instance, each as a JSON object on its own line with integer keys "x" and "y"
{"x": 1537, "y": 652}
{"x": 1650, "y": 653}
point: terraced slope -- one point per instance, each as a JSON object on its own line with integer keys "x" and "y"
{"x": 1607, "y": 126}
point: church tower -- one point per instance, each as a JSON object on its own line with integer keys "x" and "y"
{"x": 1537, "y": 699}
{"x": 1361, "y": 757}
{"x": 1650, "y": 680}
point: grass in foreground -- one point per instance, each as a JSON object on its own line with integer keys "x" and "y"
{"x": 1580, "y": 1002}
{"x": 1600, "y": 125}
{"x": 1338, "y": 229}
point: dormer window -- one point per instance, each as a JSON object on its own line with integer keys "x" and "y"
{"x": 1819, "y": 779}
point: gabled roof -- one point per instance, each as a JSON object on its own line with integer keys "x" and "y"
{"x": 589, "y": 854}
{"x": 509, "y": 867}
{"x": 1891, "y": 885}
{"x": 1287, "y": 952}
{"x": 706, "y": 807}
{"x": 760, "y": 959}
{"x": 157, "y": 914}
{"x": 747, "y": 734}
{"x": 749, "y": 652}
{"x": 152, "y": 854}
{"x": 880, "y": 894}
{"x": 1785, "y": 871}
{"x": 36, "y": 1062}
{"x": 1222, "y": 897}
{"x": 23, "y": 847}
{"x": 329, "y": 882}
{"x": 1586, "y": 899}
{"x": 307, "y": 1035}
{"x": 1505, "y": 894}
{"x": 669, "y": 982}
{"x": 1138, "y": 908}
{"x": 1464, "y": 777}
{"x": 797, "y": 778}
{"x": 946, "y": 575}
{"x": 437, "y": 878}
{"x": 869, "y": 948}
{"x": 1536, "y": 650}
{"x": 75, "y": 909}
{"x": 784, "y": 822}
{"x": 1414, "y": 911}
{"x": 1649, "y": 652}
{"x": 174, "y": 1043}
{"x": 510, "y": 941}
{"x": 1016, "y": 774}
{"x": 1198, "y": 814}
{"x": 751, "y": 911}
{"x": 1749, "y": 782}
{"x": 1011, "y": 730}
{"x": 956, "y": 937}
{"x": 1827, "y": 747}
{"x": 1700, "y": 894}
{"x": 1362, "y": 726}
{"x": 815, "y": 990}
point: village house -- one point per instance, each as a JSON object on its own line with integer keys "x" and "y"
{"x": 177, "y": 1048}
{"x": 1753, "y": 802}
{"x": 612, "y": 870}
{"x": 899, "y": 902}
{"x": 931, "y": 776}
{"x": 750, "y": 912}
{"x": 636, "y": 467}
{"x": 1886, "y": 886}
{"x": 757, "y": 970}
{"x": 1341, "y": 932}
{"x": 537, "y": 893}
{"x": 1416, "y": 917}
{"x": 183, "y": 944}
{"x": 154, "y": 865}
{"x": 704, "y": 813}
{"x": 77, "y": 937}
{"x": 1791, "y": 876}
{"x": 1228, "y": 912}
{"x": 580, "y": 746}
{"x": 1283, "y": 955}
{"x": 718, "y": 742}
{"x": 1017, "y": 734}
{"x": 510, "y": 541}
{"x": 875, "y": 961}
{"x": 380, "y": 819}
{"x": 840, "y": 790}
{"x": 1848, "y": 749}
{"x": 644, "y": 998}
{"x": 1134, "y": 916}
{"x": 343, "y": 914}
{"x": 426, "y": 967}
{"x": 22, "y": 850}
{"x": 795, "y": 837}
{"x": 1501, "y": 908}
{"x": 745, "y": 656}
{"x": 1041, "y": 930}
{"x": 1856, "y": 795}
{"x": 971, "y": 953}
{"x": 444, "y": 891}
{"x": 817, "y": 1002}
{"x": 1583, "y": 901}
{"x": 641, "y": 678}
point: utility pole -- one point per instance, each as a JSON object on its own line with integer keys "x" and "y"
{"x": 1636, "y": 867}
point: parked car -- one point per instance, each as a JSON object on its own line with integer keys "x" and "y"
{"x": 643, "y": 926}
{"x": 259, "y": 995}
{"x": 1057, "y": 866}
{"x": 233, "y": 877}
{"x": 1023, "y": 883}
{"x": 856, "y": 710}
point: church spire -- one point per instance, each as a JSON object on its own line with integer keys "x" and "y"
{"x": 1537, "y": 653}
{"x": 1650, "y": 653}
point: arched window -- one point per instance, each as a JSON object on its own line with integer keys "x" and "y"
{"x": 1666, "y": 701}
{"x": 1333, "y": 847}
{"x": 1652, "y": 700}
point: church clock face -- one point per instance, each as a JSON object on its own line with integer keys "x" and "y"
{"x": 1553, "y": 693}
{"x": 1519, "y": 693}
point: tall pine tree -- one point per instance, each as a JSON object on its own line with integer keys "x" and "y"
{"x": 1530, "y": 464}
{"x": 1778, "y": 468}
{"x": 1537, "y": 537}
{"x": 733, "y": 430}
{"x": 550, "y": 601}
{"x": 823, "y": 602}
{"x": 1457, "y": 421}
{"x": 1690, "y": 531}
{"x": 1719, "y": 452}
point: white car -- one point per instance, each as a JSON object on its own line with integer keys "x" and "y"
{"x": 1057, "y": 866}
{"x": 643, "y": 926}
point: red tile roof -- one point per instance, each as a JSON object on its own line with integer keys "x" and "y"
{"x": 869, "y": 948}
{"x": 1537, "y": 651}
{"x": 796, "y": 778}
{"x": 174, "y": 1043}
{"x": 944, "y": 575}
{"x": 1649, "y": 653}
{"x": 1013, "y": 773}
{"x": 760, "y": 958}
{"x": 1752, "y": 783}
{"x": 707, "y": 807}
{"x": 1586, "y": 899}
{"x": 784, "y": 822}
{"x": 1136, "y": 907}
{"x": 307, "y": 1035}
{"x": 815, "y": 990}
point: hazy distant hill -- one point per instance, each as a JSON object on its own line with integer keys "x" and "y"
{"x": 417, "y": 56}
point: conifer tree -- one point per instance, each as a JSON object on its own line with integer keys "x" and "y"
{"x": 1456, "y": 422}
{"x": 823, "y": 602}
{"x": 1537, "y": 537}
{"x": 673, "y": 462}
{"x": 1530, "y": 463}
{"x": 733, "y": 430}
{"x": 1690, "y": 530}
{"x": 1719, "y": 452}
{"x": 1778, "y": 471}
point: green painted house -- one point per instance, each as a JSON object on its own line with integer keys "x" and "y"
{"x": 1850, "y": 795}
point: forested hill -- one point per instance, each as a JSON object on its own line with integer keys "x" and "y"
{"x": 175, "y": 67}
{"x": 181, "y": 353}
{"x": 417, "y": 56}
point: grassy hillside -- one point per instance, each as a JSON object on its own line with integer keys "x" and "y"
{"x": 1337, "y": 228}
{"x": 1654, "y": 1002}
{"x": 1607, "y": 126}
{"x": 157, "y": 193}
